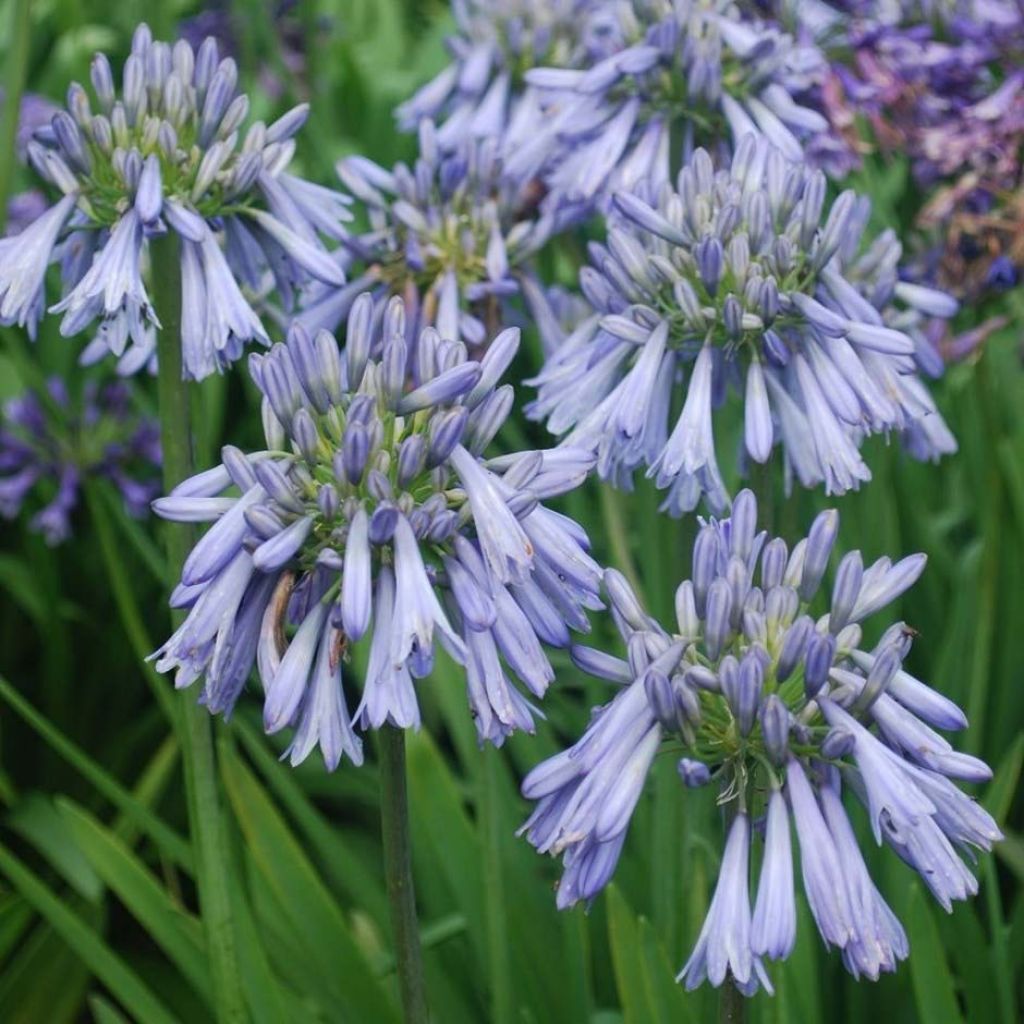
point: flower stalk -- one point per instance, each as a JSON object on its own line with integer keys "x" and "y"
{"x": 394, "y": 817}
{"x": 206, "y": 824}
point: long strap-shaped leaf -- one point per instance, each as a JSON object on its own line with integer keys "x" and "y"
{"x": 132, "y": 992}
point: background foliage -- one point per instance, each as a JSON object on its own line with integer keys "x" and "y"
{"x": 97, "y": 898}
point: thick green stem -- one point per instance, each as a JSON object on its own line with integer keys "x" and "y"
{"x": 497, "y": 922}
{"x": 732, "y": 1004}
{"x": 394, "y": 820}
{"x": 14, "y": 83}
{"x": 196, "y": 734}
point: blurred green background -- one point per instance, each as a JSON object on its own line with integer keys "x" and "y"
{"x": 97, "y": 897}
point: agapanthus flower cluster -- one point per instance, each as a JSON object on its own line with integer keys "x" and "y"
{"x": 448, "y": 234}
{"x": 783, "y": 712}
{"x": 52, "y": 444}
{"x": 942, "y": 86}
{"x": 744, "y": 277}
{"x": 374, "y": 514}
{"x": 482, "y": 93}
{"x": 166, "y": 155}
{"x": 705, "y": 69}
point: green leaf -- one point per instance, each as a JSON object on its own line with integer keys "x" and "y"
{"x": 1003, "y": 787}
{"x": 37, "y": 820}
{"x": 643, "y": 977}
{"x": 90, "y": 947}
{"x": 930, "y": 973}
{"x": 341, "y": 864}
{"x": 315, "y": 919}
{"x": 43, "y": 980}
{"x": 18, "y": 579}
{"x": 104, "y": 1012}
{"x": 440, "y": 821}
{"x": 168, "y": 924}
{"x": 166, "y": 839}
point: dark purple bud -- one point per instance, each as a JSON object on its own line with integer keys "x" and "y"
{"x": 661, "y": 698}
{"x": 820, "y": 540}
{"x": 446, "y": 430}
{"x": 305, "y": 434}
{"x": 705, "y": 565}
{"x": 743, "y": 524}
{"x": 716, "y": 626}
{"x": 880, "y": 675}
{"x": 817, "y": 662}
{"x": 773, "y": 563}
{"x": 382, "y": 523}
{"x": 693, "y": 773}
{"x": 702, "y": 678}
{"x": 355, "y": 450}
{"x": 838, "y": 743}
{"x": 775, "y": 718}
{"x": 794, "y": 643}
{"x": 775, "y": 349}
{"x": 846, "y": 590}
{"x": 378, "y": 485}
{"x": 687, "y": 699}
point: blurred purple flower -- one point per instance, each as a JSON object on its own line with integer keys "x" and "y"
{"x": 50, "y": 446}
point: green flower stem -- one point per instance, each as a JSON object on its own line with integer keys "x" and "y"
{"x": 18, "y": 46}
{"x": 618, "y": 535}
{"x": 394, "y": 820}
{"x": 732, "y": 1004}
{"x": 196, "y": 732}
{"x": 494, "y": 836}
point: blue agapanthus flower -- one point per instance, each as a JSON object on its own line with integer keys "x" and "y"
{"x": 482, "y": 93}
{"x": 50, "y": 445}
{"x": 784, "y": 713}
{"x": 449, "y": 235}
{"x": 744, "y": 278}
{"x": 374, "y": 516}
{"x": 700, "y": 71}
{"x": 166, "y": 154}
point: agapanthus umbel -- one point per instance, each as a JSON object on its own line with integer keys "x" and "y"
{"x": 50, "y": 445}
{"x": 482, "y": 93}
{"x": 701, "y": 68}
{"x": 166, "y": 154}
{"x": 783, "y": 712}
{"x": 375, "y": 517}
{"x": 744, "y": 277}
{"x": 448, "y": 234}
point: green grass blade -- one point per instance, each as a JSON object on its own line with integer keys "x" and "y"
{"x": 314, "y": 916}
{"x": 168, "y": 924}
{"x": 89, "y": 946}
{"x": 166, "y": 839}
{"x": 932, "y": 979}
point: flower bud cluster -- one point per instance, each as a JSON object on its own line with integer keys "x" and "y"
{"x": 701, "y": 69}
{"x": 744, "y": 278}
{"x": 168, "y": 154}
{"x": 374, "y": 514}
{"x": 780, "y": 709}
{"x": 481, "y": 94}
{"x": 447, "y": 234}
